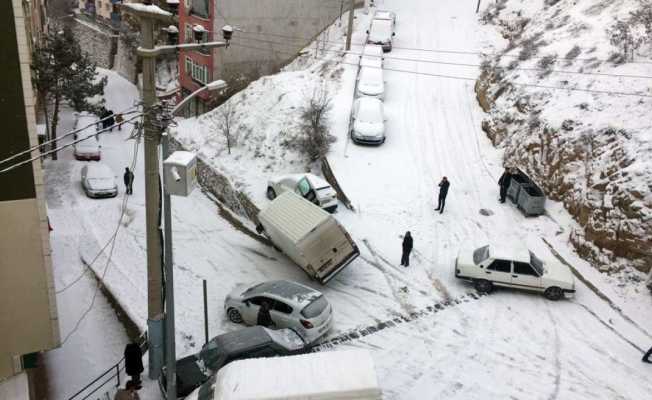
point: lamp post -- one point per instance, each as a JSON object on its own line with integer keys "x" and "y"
{"x": 170, "y": 340}
{"x": 148, "y": 15}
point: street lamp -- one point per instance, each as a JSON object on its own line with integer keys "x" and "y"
{"x": 148, "y": 15}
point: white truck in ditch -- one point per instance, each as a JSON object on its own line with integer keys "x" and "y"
{"x": 308, "y": 235}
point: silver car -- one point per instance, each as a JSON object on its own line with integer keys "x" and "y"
{"x": 98, "y": 180}
{"x": 292, "y": 305}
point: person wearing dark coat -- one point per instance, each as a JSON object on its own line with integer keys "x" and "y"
{"x": 104, "y": 117}
{"x": 264, "y": 317}
{"x": 128, "y": 178}
{"x": 111, "y": 120}
{"x": 134, "y": 363}
{"x": 503, "y": 182}
{"x": 443, "y": 192}
{"x": 407, "y": 248}
{"x": 646, "y": 357}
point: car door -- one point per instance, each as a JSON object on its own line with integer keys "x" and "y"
{"x": 499, "y": 271}
{"x": 525, "y": 276}
{"x": 304, "y": 189}
{"x": 250, "y": 310}
{"x": 282, "y": 315}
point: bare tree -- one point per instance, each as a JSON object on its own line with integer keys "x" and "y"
{"x": 226, "y": 119}
{"x": 316, "y": 141}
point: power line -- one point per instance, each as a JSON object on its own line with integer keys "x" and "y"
{"x": 385, "y": 57}
{"x": 112, "y": 240}
{"x": 40, "y": 145}
{"x": 9, "y": 168}
{"x": 465, "y": 52}
{"x": 471, "y": 79}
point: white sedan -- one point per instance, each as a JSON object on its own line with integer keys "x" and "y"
{"x": 368, "y": 121}
{"x": 371, "y": 83}
{"x": 98, "y": 180}
{"x": 292, "y": 305}
{"x": 490, "y": 266}
{"x": 309, "y": 186}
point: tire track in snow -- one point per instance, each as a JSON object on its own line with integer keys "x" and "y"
{"x": 395, "y": 321}
{"x": 555, "y": 392}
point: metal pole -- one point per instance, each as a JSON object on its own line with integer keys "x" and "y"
{"x": 349, "y": 30}
{"x": 170, "y": 342}
{"x": 205, "y": 312}
{"x": 154, "y": 272}
{"x": 341, "y": 12}
{"x": 478, "y": 7}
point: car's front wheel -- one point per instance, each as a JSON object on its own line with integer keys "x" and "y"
{"x": 553, "y": 293}
{"x": 483, "y": 286}
{"x": 234, "y": 316}
{"x": 271, "y": 193}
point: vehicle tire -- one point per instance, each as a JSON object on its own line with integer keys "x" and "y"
{"x": 271, "y": 193}
{"x": 234, "y": 316}
{"x": 483, "y": 286}
{"x": 553, "y": 293}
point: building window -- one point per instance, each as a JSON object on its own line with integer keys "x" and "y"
{"x": 197, "y": 72}
{"x": 200, "y": 8}
{"x": 188, "y": 34}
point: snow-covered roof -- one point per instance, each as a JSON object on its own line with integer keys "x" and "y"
{"x": 337, "y": 374}
{"x": 181, "y": 158}
{"x": 514, "y": 253}
{"x": 297, "y": 293}
{"x": 293, "y": 215}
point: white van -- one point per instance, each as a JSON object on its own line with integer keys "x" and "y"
{"x": 381, "y": 33}
{"x": 330, "y": 375}
{"x": 308, "y": 235}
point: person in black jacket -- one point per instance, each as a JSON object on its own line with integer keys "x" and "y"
{"x": 407, "y": 248}
{"x": 443, "y": 192}
{"x": 134, "y": 363}
{"x": 264, "y": 317}
{"x": 503, "y": 182}
{"x": 646, "y": 357}
{"x": 128, "y": 178}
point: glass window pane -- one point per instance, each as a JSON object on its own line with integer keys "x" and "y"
{"x": 523, "y": 269}
{"x": 500, "y": 266}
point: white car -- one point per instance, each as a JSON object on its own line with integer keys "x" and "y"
{"x": 381, "y": 33}
{"x": 371, "y": 83}
{"x": 98, "y": 180}
{"x": 372, "y": 56}
{"x": 386, "y": 15}
{"x": 490, "y": 266}
{"x": 368, "y": 121}
{"x": 309, "y": 186}
{"x": 292, "y": 305}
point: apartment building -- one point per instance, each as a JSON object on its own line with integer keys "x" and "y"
{"x": 28, "y": 311}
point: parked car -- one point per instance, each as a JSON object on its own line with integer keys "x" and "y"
{"x": 368, "y": 121}
{"x": 308, "y": 235}
{"x": 381, "y": 33}
{"x": 87, "y": 150}
{"x": 98, "y": 180}
{"x": 490, "y": 266}
{"x": 326, "y": 375}
{"x": 292, "y": 305}
{"x": 309, "y": 186}
{"x": 372, "y": 56}
{"x": 90, "y": 123}
{"x": 251, "y": 342}
{"x": 371, "y": 83}
{"x": 386, "y": 15}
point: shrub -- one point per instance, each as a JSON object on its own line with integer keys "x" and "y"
{"x": 316, "y": 140}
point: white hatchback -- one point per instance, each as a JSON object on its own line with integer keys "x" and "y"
{"x": 368, "y": 121}
{"x": 309, "y": 186}
{"x": 490, "y": 266}
{"x": 292, "y": 305}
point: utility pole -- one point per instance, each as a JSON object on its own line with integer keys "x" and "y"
{"x": 349, "y": 30}
{"x": 477, "y": 9}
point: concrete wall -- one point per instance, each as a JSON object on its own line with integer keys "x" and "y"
{"x": 100, "y": 43}
{"x": 28, "y": 312}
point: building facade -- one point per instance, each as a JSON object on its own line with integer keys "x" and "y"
{"x": 28, "y": 311}
{"x": 269, "y": 34}
{"x": 104, "y": 10}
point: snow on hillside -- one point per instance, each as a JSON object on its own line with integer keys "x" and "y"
{"x": 588, "y": 147}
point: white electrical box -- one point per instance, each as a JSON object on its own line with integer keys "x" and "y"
{"x": 180, "y": 173}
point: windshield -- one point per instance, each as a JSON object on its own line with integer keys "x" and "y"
{"x": 481, "y": 254}
{"x": 536, "y": 264}
{"x": 381, "y": 27}
{"x": 251, "y": 289}
{"x": 315, "y": 308}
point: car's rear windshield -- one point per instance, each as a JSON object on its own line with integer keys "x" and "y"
{"x": 481, "y": 254}
{"x": 315, "y": 308}
{"x": 536, "y": 263}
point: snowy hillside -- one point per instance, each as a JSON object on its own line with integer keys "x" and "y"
{"x": 588, "y": 146}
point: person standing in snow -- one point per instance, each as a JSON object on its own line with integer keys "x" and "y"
{"x": 119, "y": 120}
{"x": 128, "y": 178}
{"x": 407, "y": 248}
{"x": 443, "y": 192}
{"x": 264, "y": 317}
{"x": 503, "y": 182}
{"x": 111, "y": 120}
{"x": 134, "y": 363}
{"x": 646, "y": 357}
{"x": 128, "y": 393}
{"x": 104, "y": 117}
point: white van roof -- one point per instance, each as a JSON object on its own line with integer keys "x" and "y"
{"x": 293, "y": 215}
{"x": 326, "y": 375}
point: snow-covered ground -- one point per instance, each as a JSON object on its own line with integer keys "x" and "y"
{"x": 506, "y": 345}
